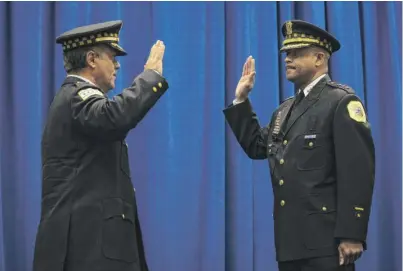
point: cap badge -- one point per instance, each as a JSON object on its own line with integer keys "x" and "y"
{"x": 288, "y": 27}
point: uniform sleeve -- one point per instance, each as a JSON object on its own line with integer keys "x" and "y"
{"x": 246, "y": 128}
{"x": 113, "y": 118}
{"x": 355, "y": 165}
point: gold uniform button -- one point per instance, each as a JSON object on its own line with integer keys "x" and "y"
{"x": 154, "y": 89}
{"x": 285, "y": 142}
{"x": 160, "y": 85}
{"x": 310, "y": 144}
{"x": 282, "y": 203}
{"x": 358, "y": 215}
{"x": 281, "y": 182}
{"x": 324, "y": 208}
{"x": 281, "y": 161}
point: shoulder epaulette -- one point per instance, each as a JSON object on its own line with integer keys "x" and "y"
{"x": 86, "y": 90}
{"x": 340, "y": 86}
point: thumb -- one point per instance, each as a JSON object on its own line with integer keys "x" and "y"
{"x": 341, "y": 256}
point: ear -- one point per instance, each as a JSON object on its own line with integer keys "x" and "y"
{"x": 320, "y": 59}
{"x": 90, "y": 59}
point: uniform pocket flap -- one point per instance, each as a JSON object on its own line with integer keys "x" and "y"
{"x": 320, "y": 203}
{"x": 119, "y": 241}
{"x": 311, "y": 142}
{"x": 116, "y": 207}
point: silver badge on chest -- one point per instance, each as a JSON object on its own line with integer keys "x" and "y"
{"x": 277, "y": 123}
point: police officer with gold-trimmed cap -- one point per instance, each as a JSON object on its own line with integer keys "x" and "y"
{"x": 89, "y": 216}
{"x": 320, "y": 152}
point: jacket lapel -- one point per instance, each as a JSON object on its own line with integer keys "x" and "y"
{"x": 306, "y": 103}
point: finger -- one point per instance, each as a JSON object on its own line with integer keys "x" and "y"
{"x": 157, "y": 51}
{"x": 252, "y": 65}
{"x": 248, "y": 66}
{"x": 349, "y": 255}
{"x": 244, "y": 68}
{"x": 249, "y": 78}
{"x": 252, "y": 77}
{"x": 351, "y": 258}
{"x": 345, "y": 255}
{"x": 161, "y": 51}
{"x": 357, "y": 255}
{"x": 152, "y": 50}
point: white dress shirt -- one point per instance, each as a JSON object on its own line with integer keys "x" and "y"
{"x": 309, "y": 87}
{"x": 82, "y": 78}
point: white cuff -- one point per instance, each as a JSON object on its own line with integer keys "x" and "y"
{"x": 156, "y": 72}
{"x": 236, "y": 101}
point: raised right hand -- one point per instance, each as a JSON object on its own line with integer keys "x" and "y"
{"x": 247, "y": 80}
{"x": 154, "y": 61}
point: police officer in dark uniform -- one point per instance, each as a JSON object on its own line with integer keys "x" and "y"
{"x": 320, "y": 152}
{"x": 89, "y": 218}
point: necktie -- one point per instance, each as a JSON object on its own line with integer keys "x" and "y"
{"x": 299, "y": 98}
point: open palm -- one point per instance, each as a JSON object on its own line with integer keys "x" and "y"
{"x": 247, "y": 80}
{"x": 154, "y": 61}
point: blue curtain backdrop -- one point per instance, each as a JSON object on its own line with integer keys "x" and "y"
{"x": 204, "y": 206}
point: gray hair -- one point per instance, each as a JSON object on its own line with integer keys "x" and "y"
{"x": 76, "y": 60}
{"x": 325, "y": 52}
